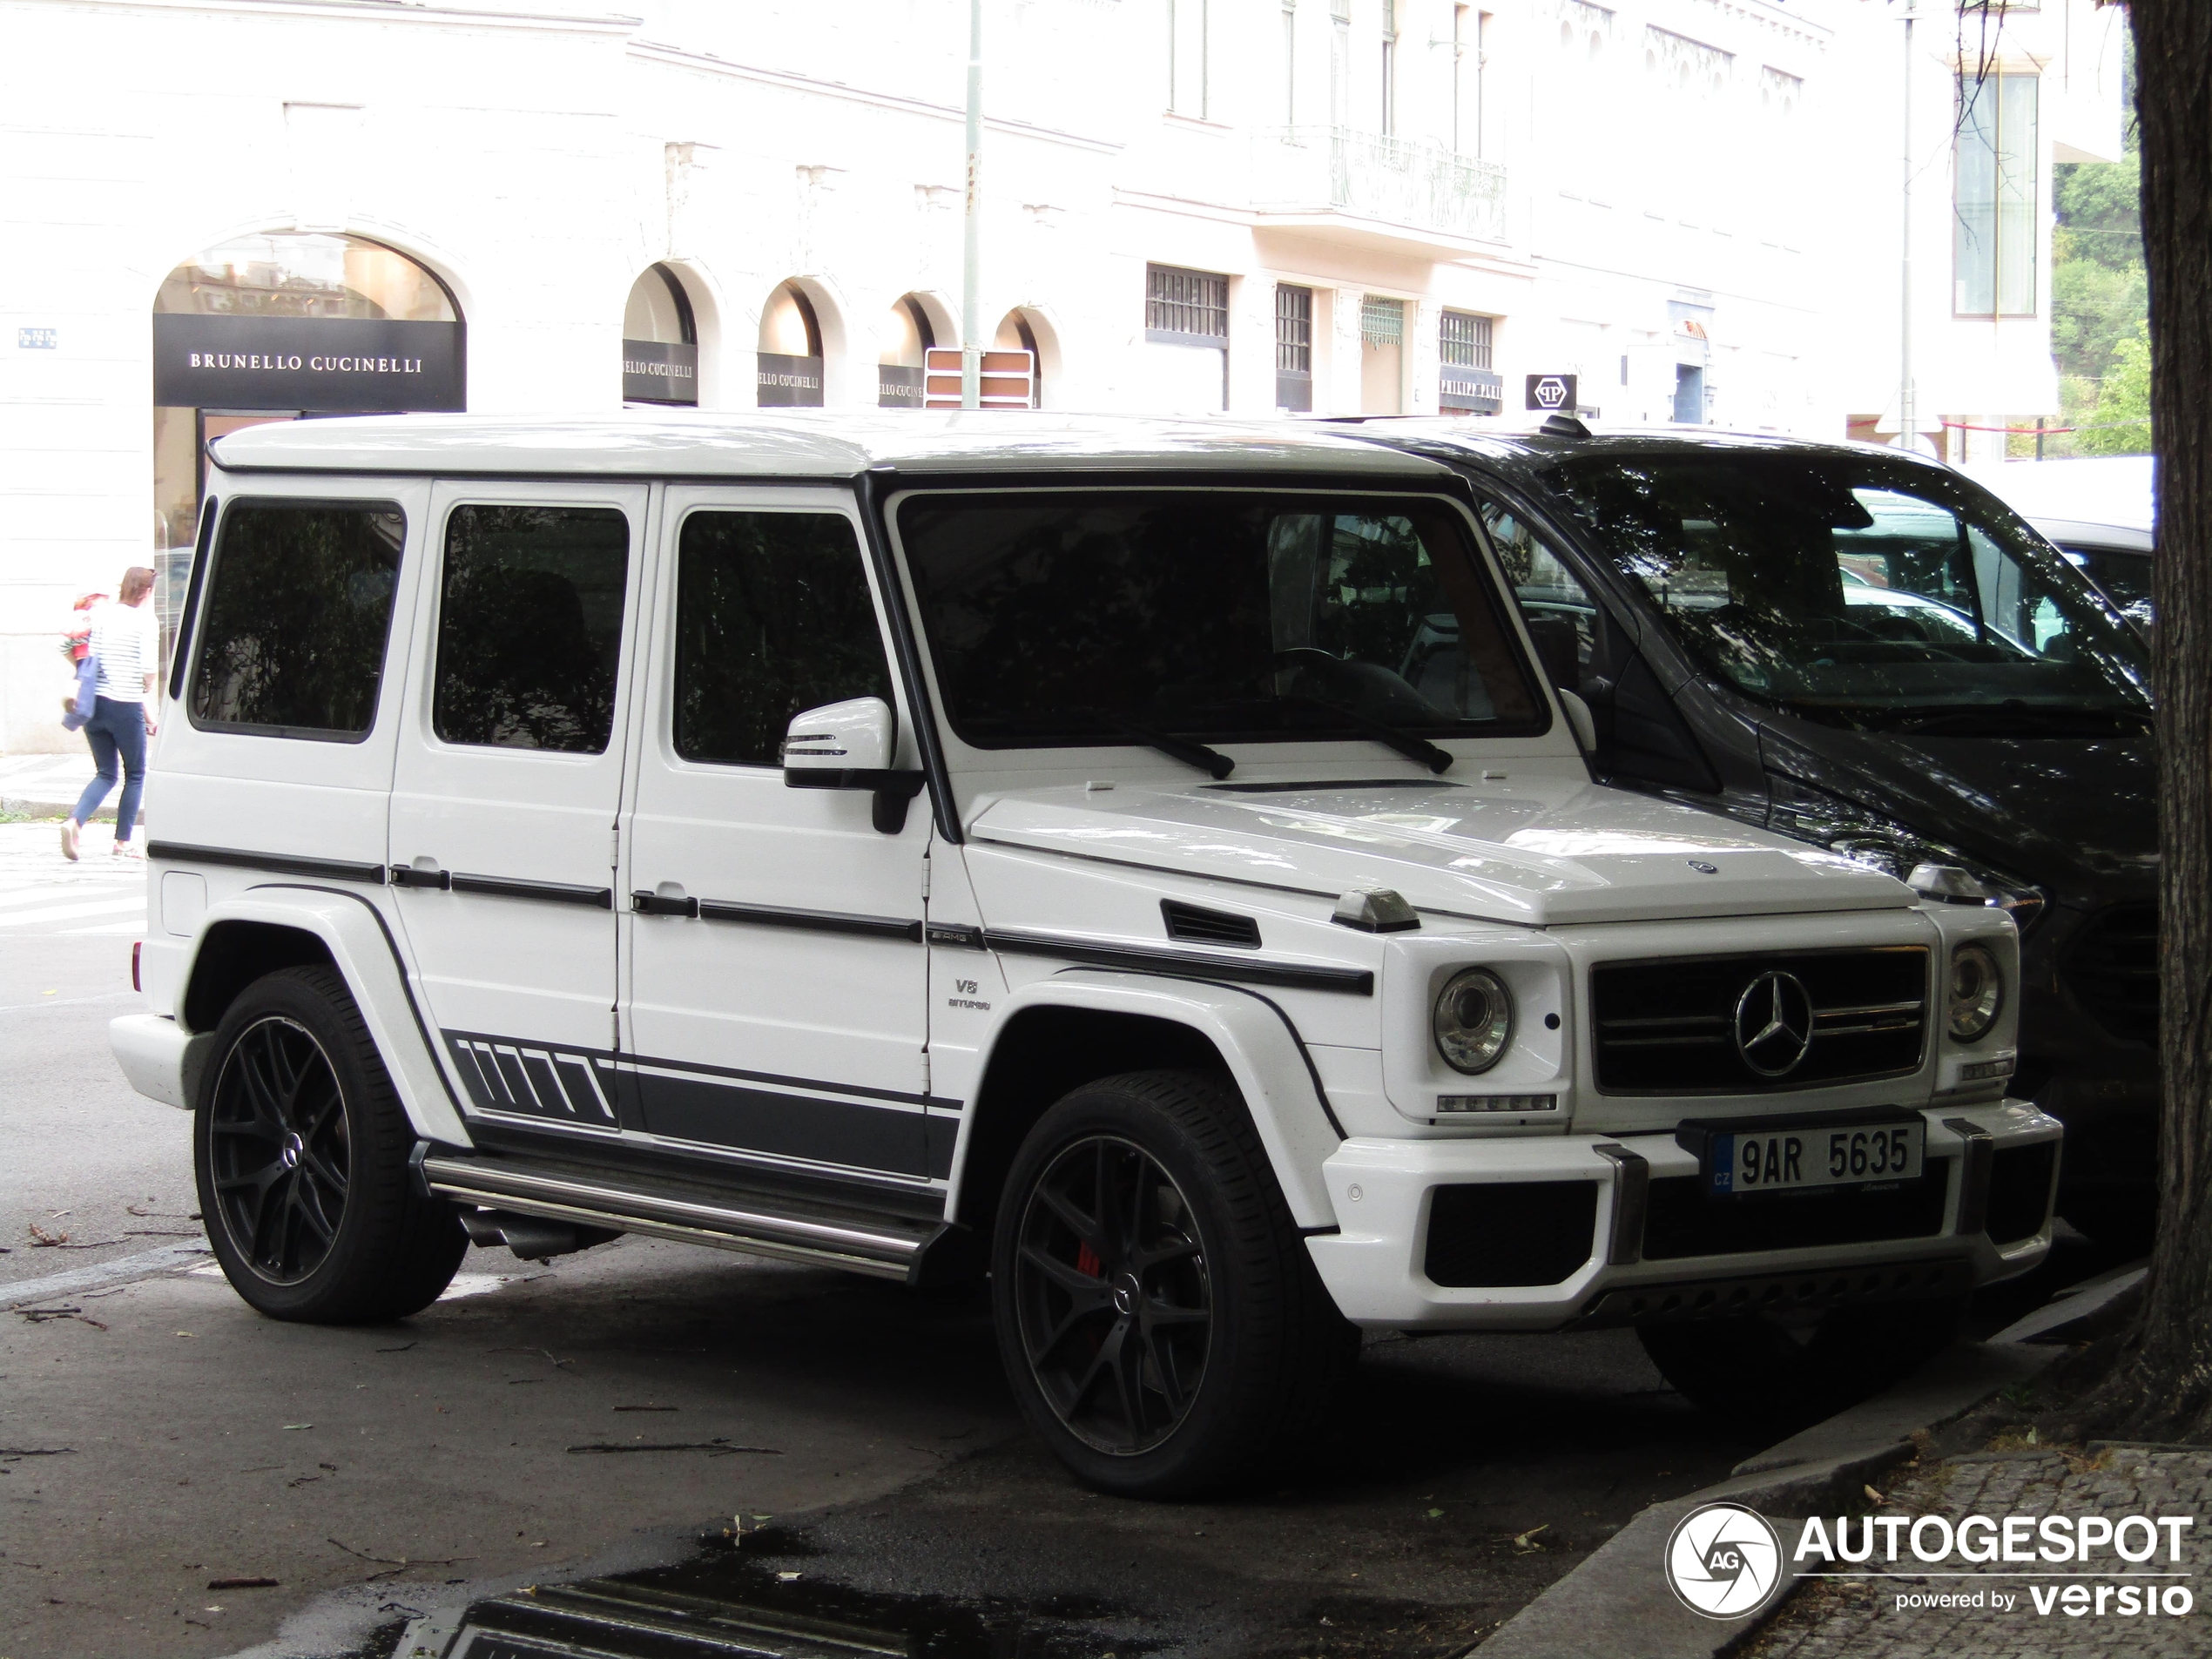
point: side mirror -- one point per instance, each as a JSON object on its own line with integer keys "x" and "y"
{"x": 849, "y": 745}
{"x": 1578, "y": 717}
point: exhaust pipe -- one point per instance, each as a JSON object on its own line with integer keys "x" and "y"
{"x": 531, "y": 1237}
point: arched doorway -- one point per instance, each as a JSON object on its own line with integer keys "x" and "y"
{"x": 1017, "y": 332}
{"x": 660, "y": 342}
{"x": 275, "y": 327}
{"x": 790, "y": 351}
{"x": 909, "y": 333}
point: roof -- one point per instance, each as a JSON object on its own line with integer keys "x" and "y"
{"x": 1444, "y": 436}
{"x": 826, "y": 444}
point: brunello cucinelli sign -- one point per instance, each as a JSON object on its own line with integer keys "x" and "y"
{"x": 789, "y": 382}
{"x": 898, "y": 387}
{"x": 366, "y": 364}
{"x": 659, "y": 372}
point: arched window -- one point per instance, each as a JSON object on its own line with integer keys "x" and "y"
{"x": 1015, "y": 334}
{"x": 908, "y": 334}
{"x": 790, "y": 351}
{"x": 660, "y": 342}
{"x": 270, "y": 327}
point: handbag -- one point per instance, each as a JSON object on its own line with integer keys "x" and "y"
{"x": 77, "y": 707}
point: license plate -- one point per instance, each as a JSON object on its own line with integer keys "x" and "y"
{"x": 1796, "y": 1160}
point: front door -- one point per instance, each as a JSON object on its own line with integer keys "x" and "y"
{"x": 776, "y": 990}
{"x": 508, "y": 785}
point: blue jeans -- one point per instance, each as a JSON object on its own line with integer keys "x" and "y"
{"x": 117, "y": 730}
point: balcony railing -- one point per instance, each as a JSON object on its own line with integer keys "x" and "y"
{"x": 1397, "y": 181}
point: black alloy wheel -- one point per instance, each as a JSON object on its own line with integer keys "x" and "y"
{"x": 1158, "y": 1314}
{"x": 282, "y": 1151}
{"x": 299, "y": 1148}
{"x": 1112, "y": 1294}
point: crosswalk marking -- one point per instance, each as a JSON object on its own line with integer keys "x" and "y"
{"x": 43, "y": 895}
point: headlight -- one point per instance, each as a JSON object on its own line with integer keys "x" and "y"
{"x": 1473, "y": 1020}
{"x": 1809, "y": 814}
{"x": 1977, "y": 992}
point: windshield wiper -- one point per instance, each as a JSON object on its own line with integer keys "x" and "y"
{"x": 1381, "y": 731}
{"x": 1188, "y": 752}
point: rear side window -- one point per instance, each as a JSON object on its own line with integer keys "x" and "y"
{"x": 299, "y": 607}
{"x": 773, "y": 617}
{"x": 530, "y": 627}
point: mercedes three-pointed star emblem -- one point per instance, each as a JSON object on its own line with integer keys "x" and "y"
{"x": 1774, "y": 1024}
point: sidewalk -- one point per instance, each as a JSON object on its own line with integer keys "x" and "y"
{"x": 48, "y": 786}
{"x": 1862, "y": 1617}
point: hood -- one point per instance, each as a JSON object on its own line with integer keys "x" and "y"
{"x": 2077, "y": 816}
{"x": 1532, "y": 853}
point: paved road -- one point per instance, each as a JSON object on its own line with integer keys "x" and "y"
{"x": 83, "y": 1159}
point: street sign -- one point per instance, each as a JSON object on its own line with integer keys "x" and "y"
{"x": 1549, "y": 391}
{"x": 1008, "y": 379}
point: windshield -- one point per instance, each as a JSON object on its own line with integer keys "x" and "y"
{"x": 1862, "y": 592}
{"x": 1210, "y": 615}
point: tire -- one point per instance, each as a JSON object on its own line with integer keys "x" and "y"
{"x": 1778, "y": 1372}
{"x": 1171, "y": 1342}
{"x": 301, "y": 1149}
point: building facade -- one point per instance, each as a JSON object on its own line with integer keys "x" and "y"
{"x": 231, "y": 210}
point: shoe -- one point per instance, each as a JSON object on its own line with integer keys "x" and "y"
{"x": 70, "y": 826}
{"x": 128, "y": 850}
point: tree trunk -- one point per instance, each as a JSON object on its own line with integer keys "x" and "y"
{"x": 2166, "y": 1392}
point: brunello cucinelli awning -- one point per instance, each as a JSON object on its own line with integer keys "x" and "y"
{"x": 322, "y": 363}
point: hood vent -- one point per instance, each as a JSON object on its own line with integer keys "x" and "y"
{"x": 1203, "y": 926}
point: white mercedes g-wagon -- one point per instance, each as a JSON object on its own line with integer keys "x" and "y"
{"x": 1140, "y": 863}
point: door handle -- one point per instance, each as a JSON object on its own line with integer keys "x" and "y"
{"x": 655, "y": 904}
{"x": 406, "y": 875}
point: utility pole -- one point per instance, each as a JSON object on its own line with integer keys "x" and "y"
{"x": 1907, "y": 438}
{"x": 971, "y": 344}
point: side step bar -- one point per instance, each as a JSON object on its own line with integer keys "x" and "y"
{"x": 881, "y": 1246}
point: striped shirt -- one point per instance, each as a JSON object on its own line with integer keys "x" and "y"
{"x": 129, "y": 649}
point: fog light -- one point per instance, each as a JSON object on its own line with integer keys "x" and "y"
{"x": 1459, "y": 1105}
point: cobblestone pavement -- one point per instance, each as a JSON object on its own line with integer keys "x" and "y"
{"x": 2001, "y": 1618}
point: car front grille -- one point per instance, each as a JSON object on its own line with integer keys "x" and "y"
{"x": 2112, "y": 971}
{"x": 1690, "y": 1025}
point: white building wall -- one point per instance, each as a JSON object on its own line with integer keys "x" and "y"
{"x": 1721, "y": 160}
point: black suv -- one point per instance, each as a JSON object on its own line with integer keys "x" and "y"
{"x": 1867, "y": 651}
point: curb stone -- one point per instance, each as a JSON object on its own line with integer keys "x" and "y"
{"x": 1618, "y": 1602}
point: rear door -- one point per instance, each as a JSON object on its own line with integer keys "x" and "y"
{"x": 776, "y": 965}
{"x": 508, "y": 783}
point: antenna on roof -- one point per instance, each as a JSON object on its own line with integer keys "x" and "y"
{"x": 1563, "y": 426}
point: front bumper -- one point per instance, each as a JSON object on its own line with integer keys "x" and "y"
{"x": 1377, "y": 1265}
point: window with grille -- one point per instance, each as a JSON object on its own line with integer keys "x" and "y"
{"x": 1994, "y": 235}
{"x": 1293, "y": 349}
{"x": 1185, "y": 307}
{"x": 1465, "y": 339}
{"x": 1382, "y": 321}
{"x": 1463, "y": 378}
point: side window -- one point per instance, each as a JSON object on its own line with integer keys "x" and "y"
{"x": 773, "y": 617}
{"x": 530, "y": 627}
{"x": 1562, "y": 616}
{"x": 299, "y": 606}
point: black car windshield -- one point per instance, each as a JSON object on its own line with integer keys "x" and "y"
{"x": 1863, "y": 592}
{"x": 1098, "y": 616}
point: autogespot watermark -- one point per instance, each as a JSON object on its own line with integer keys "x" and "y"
{"x": 1724, "y": 1561}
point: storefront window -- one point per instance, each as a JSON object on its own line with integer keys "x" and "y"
{"x": 273, "y": 327}
{"x": 790, "y": 351}
{"x": 907, "y": 337}
{"x": 660, "y": 342}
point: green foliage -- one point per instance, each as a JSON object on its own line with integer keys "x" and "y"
{"x": 2100, "y": 292}
{"x": 2120, "y": 420}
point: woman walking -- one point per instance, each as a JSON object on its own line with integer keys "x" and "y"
{"x": 129, "y": 649}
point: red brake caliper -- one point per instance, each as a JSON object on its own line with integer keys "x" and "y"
{"x": 1086, "y": 1261}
